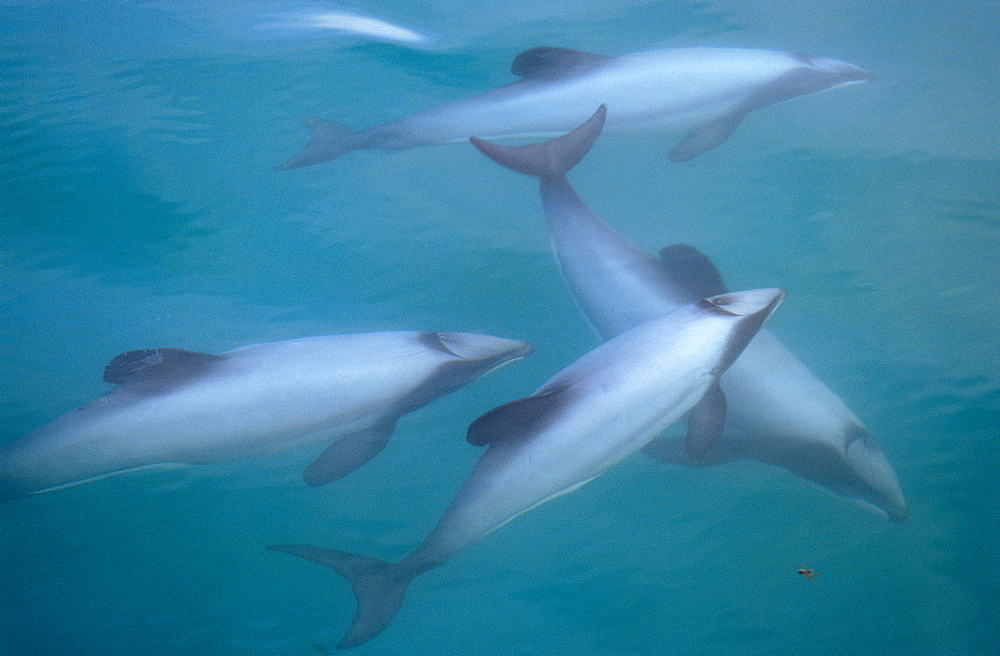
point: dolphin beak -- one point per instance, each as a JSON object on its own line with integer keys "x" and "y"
{"x": 861, "y": 75}
{"x": 849, "y": 73}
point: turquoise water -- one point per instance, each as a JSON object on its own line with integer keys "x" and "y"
{"x": 139, "y": 208}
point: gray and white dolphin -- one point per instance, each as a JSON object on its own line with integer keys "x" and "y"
{"x": 175, "y": 406}
{"x": 704, "y": 91}
{"x": 586, "y": 418}
{"x": 778, "y": 412}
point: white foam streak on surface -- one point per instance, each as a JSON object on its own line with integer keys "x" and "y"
{"x": 316, "y": 22}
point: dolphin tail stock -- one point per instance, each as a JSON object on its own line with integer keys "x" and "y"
{"x": 379, "y": 587}
{"x": 551, "y": 159}
{"x": 328, "y": 140}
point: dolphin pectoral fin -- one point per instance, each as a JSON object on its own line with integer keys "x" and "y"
{"x": 158, "y": 369}
{"x": 517, "y": 419}
{"x": 347, "y": 454}
{"x": 705, "y": 422}
{"x": 707, "y": 136}
{"x": 548, "y": 63}
{"x": 550, "y": 159}
{"x": 328, "y": 140}
{"x": 692, "y": 270}
{"x": 379, "y": 587}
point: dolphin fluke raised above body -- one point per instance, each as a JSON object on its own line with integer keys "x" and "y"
{"x": 585, "y": 419}
{"x": 706, "y": 92}
{"x": 175, "y": 406}
{"x": 777, "y": 411}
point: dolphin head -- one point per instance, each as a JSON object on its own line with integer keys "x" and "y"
{"x": 836, "y": 69}
{"x": 806, "y": 75}
{"x": 752, "y": 302}
{"x": 822, "y": 73}
{"x": 875, "y": 481}
{"x": 753, "y": 306}
{"x": 470, "y": 355}
{"x": 489, "y": 350}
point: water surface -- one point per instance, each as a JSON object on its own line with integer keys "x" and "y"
{"x": 139, "y": 208}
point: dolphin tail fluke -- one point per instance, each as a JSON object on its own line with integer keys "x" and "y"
{"x": 379, "y": 587}
{"x": 551, "y": 159}
{"x": 329, "y": 140}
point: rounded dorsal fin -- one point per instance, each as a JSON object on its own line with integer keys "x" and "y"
{"x": 692, "y": 270}
{"x": 517, "y": 420}
{"x": 547, "y": 62}
{"x": 156, "y": 369}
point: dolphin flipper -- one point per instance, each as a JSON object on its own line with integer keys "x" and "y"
{"x": 705, "y": 422}
{"x": 379, "y": 587}
{"x": 707, "y": 136}
{"x": 551, "y": 159}
{"x": 347, "y": 454}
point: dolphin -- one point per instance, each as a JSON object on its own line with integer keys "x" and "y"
{"x": 172, "y": 406}
{"x": 778, "y": 412}
{"x": 582, "y": 421}
{"x": 706, "y": 92}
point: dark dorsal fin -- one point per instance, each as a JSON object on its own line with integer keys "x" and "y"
{"x": 548, "y": 63}
{"x": 692, "y": 271}
{"x": 157, "y": 369}
{"x": 518, "y": 419}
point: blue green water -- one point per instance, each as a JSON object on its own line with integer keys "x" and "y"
{"x": 139, "y": 208}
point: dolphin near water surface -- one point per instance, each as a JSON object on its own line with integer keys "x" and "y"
{"x": 778, "y": 412}
{"x": 586, "y": 418}
{"x": 175, "y": 406}
{"x": 706, "y": 92}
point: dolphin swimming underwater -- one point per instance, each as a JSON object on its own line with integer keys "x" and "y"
{"x": 176, "y": 406}
{"x": 778, "y": 412}
{"x": 704, "y": 91}
{"x": 585, "y": 419}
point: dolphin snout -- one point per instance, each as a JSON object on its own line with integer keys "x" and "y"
{"x": 848, "y": 72}
{"x": 473, "y": 346}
